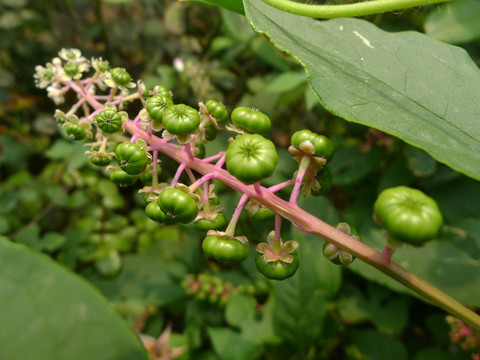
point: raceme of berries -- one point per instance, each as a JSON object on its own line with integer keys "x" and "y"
{"x": 182, "y": 132}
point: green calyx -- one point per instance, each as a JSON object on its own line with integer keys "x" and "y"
{"x": 337, "y": 255}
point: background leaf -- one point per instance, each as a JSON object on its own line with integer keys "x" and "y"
{"x": 439, "y": 262}
{"x": 455, "y": 23}
{"x": 301, "y": 301}
{"x": 405, "y": 84}
{"x": 50, "y": 313}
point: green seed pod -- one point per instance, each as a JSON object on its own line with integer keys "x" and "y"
{"x": 156, "y": 106}
{"x": 109, "y": 121}
{"x": 218, "y": 111}
{"x": 120, "y": 76}
{"x": 122, "y": 179}
{"x": 75, "y": 132}
{"x": 181, "y": 119}
{"x": 100, "y": 160}
{"x": 131, "y": 158}
{"x": 251, "y": 120}
{"x": 70, "y": 68}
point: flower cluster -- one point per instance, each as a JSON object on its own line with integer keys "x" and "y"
{"x": 208, "y": 287}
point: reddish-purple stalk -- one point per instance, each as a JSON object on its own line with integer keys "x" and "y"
{"x": 292, "y": 212}
{"x": 236, "y": 215}
{"x": 309, "y": 223}
{"x": 302, "y": 168}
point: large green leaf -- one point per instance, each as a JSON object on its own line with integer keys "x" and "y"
{"x": 456, "y": 22}
{"x": 301, "y": 302}
{"x": 406, "y": 84}
{"x": 49, "y": 313}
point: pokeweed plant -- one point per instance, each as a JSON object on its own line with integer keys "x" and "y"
{"x": 181, "y": 132}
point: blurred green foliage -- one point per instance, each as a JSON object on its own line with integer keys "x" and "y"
{"x": 55, "y": 202}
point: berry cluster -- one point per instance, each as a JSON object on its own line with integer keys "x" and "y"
{"x": 208, "y": 287}
{"x": 181, "y": 132}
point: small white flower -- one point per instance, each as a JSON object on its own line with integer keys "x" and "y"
{"x": 100, "y": 65}
{"x": 44, "y": 76}
{"x": 73, "y": 55}
{"x": 141, "y": 87}
{"x": 56, "y": 94}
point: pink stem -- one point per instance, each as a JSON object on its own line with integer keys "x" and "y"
{"x": 305, "y": 220}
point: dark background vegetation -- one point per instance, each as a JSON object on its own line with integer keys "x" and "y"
{"x": 54, "y": 201}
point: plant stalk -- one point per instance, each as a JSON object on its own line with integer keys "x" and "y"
{"x": 347, "y": 10}
{"x": 310, "y": 224}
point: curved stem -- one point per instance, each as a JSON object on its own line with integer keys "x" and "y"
{"x": 347, "y": 10}
{"x": 233, "y": 222}
{"x": 302, "y": 168}
{"x": 304, "y": 220}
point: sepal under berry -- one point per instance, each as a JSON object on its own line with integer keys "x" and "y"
{"x": 277, "y": 260}
{"x": 337, "y": 255}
